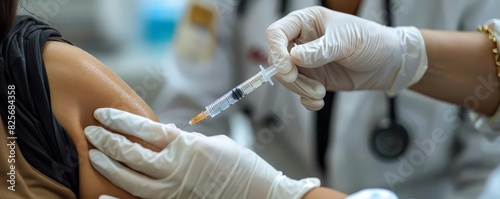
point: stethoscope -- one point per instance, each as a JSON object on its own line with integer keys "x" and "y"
{"x": 389, "y": 139}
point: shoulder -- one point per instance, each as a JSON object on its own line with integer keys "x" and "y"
{"x": 79, "y": 84}
{"x": 80, "y": 81}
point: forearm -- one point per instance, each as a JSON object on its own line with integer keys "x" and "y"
{"x": 326, "y": 193}
{"x": 461, "y": 70}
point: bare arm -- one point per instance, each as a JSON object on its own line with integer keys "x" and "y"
{"x": 461, "y": 70}
{"x": 79, "y": 84}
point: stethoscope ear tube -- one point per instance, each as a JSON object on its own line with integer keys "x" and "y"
{"x": 243, "y": 4}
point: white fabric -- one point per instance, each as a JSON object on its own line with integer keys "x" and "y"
{"x": 491, "y": 189}
{"x": 284, "y": 130}
{"x": 373, "y": 194}
{"x": 483, "y": 123}
{"x": 189, "y": 165}
{"x": 334, "y": 50}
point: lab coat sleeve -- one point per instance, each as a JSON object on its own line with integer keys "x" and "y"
{"x": 483, "y": 123}
{"x": 476, "y": 156}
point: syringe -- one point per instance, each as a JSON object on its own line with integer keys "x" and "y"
{"x": 236, "y": 94}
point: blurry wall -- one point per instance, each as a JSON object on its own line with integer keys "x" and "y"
{"x": 94, "y": 25}
{"x": 131, "y": 37}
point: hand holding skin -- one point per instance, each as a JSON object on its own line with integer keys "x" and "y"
{"x": 337, "y": 51}
{"x": 190, "y": 165}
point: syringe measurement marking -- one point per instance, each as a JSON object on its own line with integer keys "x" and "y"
{"x": 225, "y": 101}
{"x": 258, "y": 80}
{"x": 253, "y": 84}
{"x": 217, "y": 104}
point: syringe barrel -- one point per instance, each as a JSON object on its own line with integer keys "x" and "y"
{"x": 240, "y": 91}
{"x": 251, "y": 84}
{"x": 221, "y": 104}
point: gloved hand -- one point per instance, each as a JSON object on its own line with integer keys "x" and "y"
{"x": 190, "y": 165}
{"x": 337, "y": 51}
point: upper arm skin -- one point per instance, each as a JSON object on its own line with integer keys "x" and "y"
{"x": 79, "y": 84}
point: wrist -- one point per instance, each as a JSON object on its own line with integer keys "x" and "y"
{"x": 414, "y": 61}
{"x": 461, "y": 62}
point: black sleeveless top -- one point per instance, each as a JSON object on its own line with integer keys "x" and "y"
{"x": 43, "y": 142}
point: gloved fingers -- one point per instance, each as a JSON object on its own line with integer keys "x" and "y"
{"x": 278, "y": 37}
{"x": 154, "y": 133}
{"x": 287, "y": 77}
{"x": 312, "y": 104}
{"x": 315, "y": 53}
{"x": 121, "y": 149}
{"x": 120, "y": 175}
{"x": 333, "y": 76}
{"x": 306, "y": 87}
{"x": 312, "y": 88}
{"x": 292, "y": 75}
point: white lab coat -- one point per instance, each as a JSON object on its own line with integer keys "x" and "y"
{"x": 445, "y": 159}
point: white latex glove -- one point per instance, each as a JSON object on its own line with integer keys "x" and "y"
{"x": 338, "y": 51}
{"x": 190, "y": 165}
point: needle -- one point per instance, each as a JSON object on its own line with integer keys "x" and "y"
{"x": 184, "y": 127}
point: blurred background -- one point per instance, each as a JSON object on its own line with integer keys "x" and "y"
{"x": 165, "y": 50}
{"x": 128, "y": 37}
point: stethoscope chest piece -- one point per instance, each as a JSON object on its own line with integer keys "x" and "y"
{"x": 389, "y": 140}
